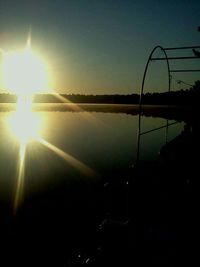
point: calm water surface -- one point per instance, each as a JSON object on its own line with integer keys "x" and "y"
{"x": 105, "y": 142}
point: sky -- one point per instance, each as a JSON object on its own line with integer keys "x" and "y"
{"x": 101, "y": 46}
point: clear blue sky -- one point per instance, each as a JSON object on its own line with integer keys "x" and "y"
{"x": 100, "y": 46}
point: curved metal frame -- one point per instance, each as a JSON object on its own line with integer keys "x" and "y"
{"x": 146, "y": 68}
{"x": 142, "y": 90}
{"x": 169, "y": 80}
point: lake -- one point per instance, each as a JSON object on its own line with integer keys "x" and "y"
{"x": 60, "y": 197}
{"x": 105, "y": 142}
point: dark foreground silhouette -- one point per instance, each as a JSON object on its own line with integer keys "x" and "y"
{"x": 165, "y": 194}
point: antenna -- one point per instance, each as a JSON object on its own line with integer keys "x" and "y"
{"x": 179, "y": 82}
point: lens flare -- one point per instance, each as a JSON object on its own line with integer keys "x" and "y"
{"x": 25, "y": 126}
{"x": 25, "y": 75}
{"x": 24, "y": 72}
{"x": 83, "y": 168}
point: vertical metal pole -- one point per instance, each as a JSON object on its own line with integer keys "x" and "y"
{"x": 167, "y": 126}
{"x": 169, "y": 90}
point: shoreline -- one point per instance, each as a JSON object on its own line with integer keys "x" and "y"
{"x": 89, "y": 106}
{"x": 179, "y": 113}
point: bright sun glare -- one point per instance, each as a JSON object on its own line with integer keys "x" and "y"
{"x": 24, "y": 72}
{"x": 25, "y": 75}
{"x": 24, "y": 124}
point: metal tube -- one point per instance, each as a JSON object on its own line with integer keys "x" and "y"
{"x": 184, "y": 70}
{"x": 158, "y": 128}
{"x": 173, "y": 58}
{"x": 179, "y": 48}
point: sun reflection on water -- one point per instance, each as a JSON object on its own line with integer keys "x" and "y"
{"x": 24, "y": 75}
{"x": 26, "y": 126}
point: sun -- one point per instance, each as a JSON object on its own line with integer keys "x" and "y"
{"x": 24, "y": 72}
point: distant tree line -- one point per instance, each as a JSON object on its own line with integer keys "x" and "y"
{"x": 76, "y": 98}
{"x": 187, "y": 97}
{"x": 8, "y": 98}
{"x": 96, "y": 99}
